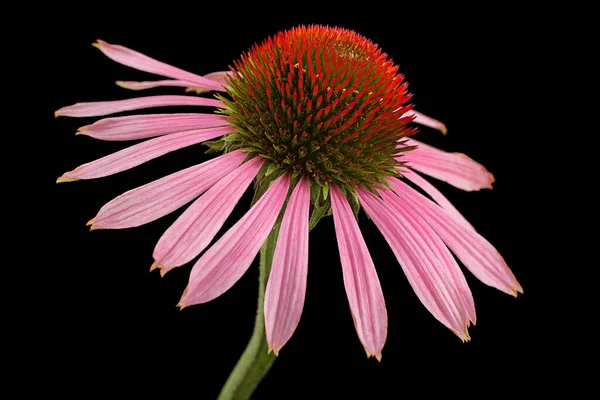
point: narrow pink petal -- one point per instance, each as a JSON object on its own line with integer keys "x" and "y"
{"x": 430, "y": 268}
{"x": 133, "y": 85}
{"x": 423, "y": 119}
{"x": 435, "y": 194}
{"x": 139, "y": 61}
{"x": 360, "y": 278}
{"x": 140, "y": 153}
{"x": 475, "y": 252}
{"x": 454, "y": 168}
{"x": 226, "y": 261}
{"x": 133, "y": 127}
{"x": 156, "y": 199}
{"x": 99, "y": 108}
{"x": 193, "y": 231}
{"x": 218, "y": 76}
{"x": 286, "y": 288}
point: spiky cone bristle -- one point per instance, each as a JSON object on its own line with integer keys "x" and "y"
{"x": 321, "y": 102}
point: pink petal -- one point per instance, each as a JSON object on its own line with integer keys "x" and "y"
{"x": 133, "y": 85}
{"x": 140, "y": 153}
{"x": 475, "y": 252}
{"x": 99, "y": 108}
{"x": 156, "y": 199}
{"x": 226, "y": 261}
{"x": 454, "y": 168}
{"x": 218, "y": 76}
{"x": 134, "y": 127}
{"x": 360, "y": 278}
{"x": 193, "y": 231}
{"x": 423, "y": 119}
{"x": 430, "y": 268}
{"x": 139, "y": 61}
{"x": 286, "y": 288}
{"x": 435, "y": 194}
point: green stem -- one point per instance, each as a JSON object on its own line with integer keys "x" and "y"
{"x": 254, "y": 363}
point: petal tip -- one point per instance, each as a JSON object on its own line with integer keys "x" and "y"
{"x": 464, "y": 335}
{"x": 155, "y": 265}
{"x": 64, "y": 179}
{"x": 442, "y": 128}
{"x": 490, "y": 179}
{"x": 196, "y": 90}
{"x": 127, "y": 85}
{"x": 517, "y": 289}
{"x": 163, "y": 270}
{"x": 99, "y": 43}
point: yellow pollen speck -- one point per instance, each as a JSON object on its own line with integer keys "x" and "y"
{"x": 328, "y": 88}
{"x": 356, "y": 91}
{"x": 370, "y": 93}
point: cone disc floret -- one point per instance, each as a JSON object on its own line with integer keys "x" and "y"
{"x": 320, "y": 102}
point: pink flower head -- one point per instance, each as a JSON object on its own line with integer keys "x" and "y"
{"x": 319, "y": 119}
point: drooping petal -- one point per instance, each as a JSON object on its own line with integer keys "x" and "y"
{"x": 139, "y": 61}
{"x": 430, "y": 268}
{"x": 423, "y": 119}
{"x": 475, "y": 252}
{"x": 157, "y": 199}
{"x": 133, "y": 127}
{"x": 140, "y": 153}
{"x": 435, "y": 194}
{"x": 225, "y": 262}
{"x": 99, "y": 108}
{"x": 286, "y": 287}
{"x": 134, "y": 85}
{"x": 196, "y": 227}
{"x": 360, "y": 277}
{"x": 454, "y": 168}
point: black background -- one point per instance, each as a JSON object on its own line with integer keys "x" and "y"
{"x": 110, "y": 327}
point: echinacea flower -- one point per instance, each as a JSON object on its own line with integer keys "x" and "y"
{"x": 319, "y": 119}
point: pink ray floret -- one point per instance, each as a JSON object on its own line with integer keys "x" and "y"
{"x": 225, "y": 262}
{"x": 430, "y": 268}
{"x": 143, "y": 85}
{"x": 424, "y": 120}
{"x": 133, "y": 127}
{"x": 454, "y": 168}
{"x": 475, "y": 252}
{"x": 157, "y": 199}
{"x": 100, "y": 108}
{"x": 435, "y": 194}
{"x": 286, "y": 287}
{"x": 360, "y": 278}
{"x": 139, "y": 61}
{"x": 193, "y": 231}
{"x": 142, "y": 152}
